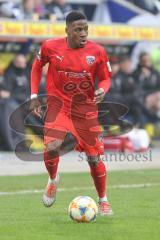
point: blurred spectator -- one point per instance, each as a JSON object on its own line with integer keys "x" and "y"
{"x": 114, "y": 60}
{"x": 57, "y": 9}
{"x": 24, "y": 10}
{"x": 16, "y": 78}
{"x": 16, "y": 88}
{"x": 4, "y": 96}
{"x": 6, "y": 9}
{"x": 39, "y": 8}
{"x": 124, "y": 88}
{"x": 123, "y": 82}
{"x": 148, "y": 80}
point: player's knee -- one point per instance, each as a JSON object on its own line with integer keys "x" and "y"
{"x": 53, "y": 147}
{"x": 93, "y": 160}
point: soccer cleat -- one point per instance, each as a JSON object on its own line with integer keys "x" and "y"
{"x": 105, "y": 209}
{"x": 49, "y": 196}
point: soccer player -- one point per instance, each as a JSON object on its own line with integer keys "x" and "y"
{"x": 74, "y": 64}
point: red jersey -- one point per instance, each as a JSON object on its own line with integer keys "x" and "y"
{"x": 71, "y": 71}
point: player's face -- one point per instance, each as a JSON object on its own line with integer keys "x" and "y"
{"x": 77, "y": 33}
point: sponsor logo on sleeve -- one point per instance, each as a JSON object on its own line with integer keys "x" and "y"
{"x": 39, "y": 55}
{"x": 109, "y": 67}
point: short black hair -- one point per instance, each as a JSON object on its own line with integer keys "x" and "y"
{"x": 75, "y": 16}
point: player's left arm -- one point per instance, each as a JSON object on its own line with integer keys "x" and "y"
{"x": 103, "y": 73}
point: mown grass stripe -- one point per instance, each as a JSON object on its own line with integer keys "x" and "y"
{"x": 121, "y": 186}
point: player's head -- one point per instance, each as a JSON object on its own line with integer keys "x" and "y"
{"x": 20, "y": 61}
{"x": 76, "y": 29}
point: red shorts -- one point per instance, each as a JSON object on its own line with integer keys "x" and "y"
{"x": 85, "y": 130}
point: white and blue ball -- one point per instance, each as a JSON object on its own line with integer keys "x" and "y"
{"x": 83, "y": 209}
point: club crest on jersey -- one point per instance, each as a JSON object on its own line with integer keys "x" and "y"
{"x": 90, "y": 59}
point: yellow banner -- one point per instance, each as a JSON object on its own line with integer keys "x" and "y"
{"x": 145, "y": 33}
{"x": 157, "y": 37}
{"x": 102, "y": 32}
{"x": 13, "y": 28}
{"x": 36, "y": 29}
{"x": 57, "y": 30}
{"x": 124, "y": 32}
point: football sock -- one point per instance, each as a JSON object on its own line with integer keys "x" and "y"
{"x": 103, "y": 199}
{"x": 52, "y": 181}
{"x": 98, "y": 173}
{"x": 51, "y": 165}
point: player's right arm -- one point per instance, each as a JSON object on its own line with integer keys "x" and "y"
{"x": 36, "y": 75}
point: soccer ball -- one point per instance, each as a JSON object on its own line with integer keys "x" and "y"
{"x": 83, "y": 209}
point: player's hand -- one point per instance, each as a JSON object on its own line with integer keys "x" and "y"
{"x": 35, "y": 107}
{"x": 99, "y": 95}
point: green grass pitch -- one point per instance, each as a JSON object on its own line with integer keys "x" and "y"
{"x": 136, "y": 208}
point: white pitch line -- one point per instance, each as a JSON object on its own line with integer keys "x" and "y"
{"x": 122, "y": 186}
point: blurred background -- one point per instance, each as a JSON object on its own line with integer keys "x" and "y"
{"x": 130, "y": 32}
